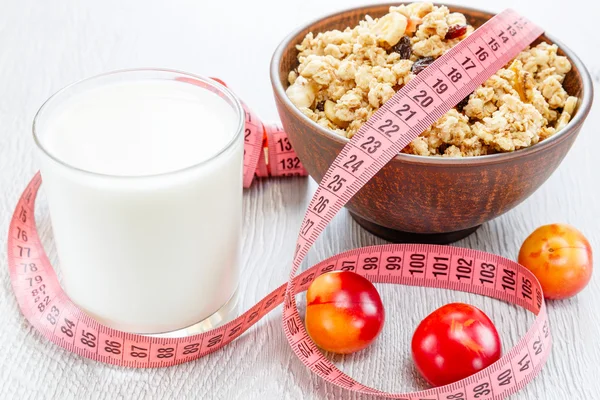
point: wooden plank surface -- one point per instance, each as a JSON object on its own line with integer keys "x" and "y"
{"x": 45, "y": 45}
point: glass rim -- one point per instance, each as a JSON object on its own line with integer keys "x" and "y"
{"x": 222, "y": 89}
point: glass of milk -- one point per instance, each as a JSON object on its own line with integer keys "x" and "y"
{"x": 143, "y": 174}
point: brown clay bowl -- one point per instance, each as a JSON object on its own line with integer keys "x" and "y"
{"x": 419, "y": 198}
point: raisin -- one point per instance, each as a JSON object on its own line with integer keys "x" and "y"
{"x": 421, "y": 64}
{"x": 403, "y": 48}
{"x": 321, "y": 106}
{"x": 461, "y": 104}
{"x": 456, "y": 31}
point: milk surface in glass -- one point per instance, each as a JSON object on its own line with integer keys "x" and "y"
{"x": 143, "y": 174}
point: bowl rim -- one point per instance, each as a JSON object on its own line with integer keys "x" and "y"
{"x": 572, "y": 127}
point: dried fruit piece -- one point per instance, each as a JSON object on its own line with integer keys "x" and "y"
{"x": 321, "y": 106}
{"x": 517, "y": 82}
{"x": 413, "y": 22}
{"x": 403, "y": 47}
{"x": 456, "y": 31}
{"x": 390, "y": 28}
{"x": 463, "y": 103}
{"x": 421, "y": 64}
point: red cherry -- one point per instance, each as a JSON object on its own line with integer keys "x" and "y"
{"x": 344, "y": 312}
{"x": 454, "y": 342}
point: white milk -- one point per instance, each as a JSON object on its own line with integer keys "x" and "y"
{"x": 154, "y": 245}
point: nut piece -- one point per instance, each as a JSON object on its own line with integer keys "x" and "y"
{"x": 390, "y": 28}
{"x": 300, "y": 93}
{"x": 567, "y": 113}
{"x": 330, "y": 114}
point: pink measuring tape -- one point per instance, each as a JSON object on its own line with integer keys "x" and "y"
{"x": 415, "y": 107}
{"x": 267, "y": 151}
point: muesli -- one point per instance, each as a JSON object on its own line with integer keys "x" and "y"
{"x": 343, "y": 77}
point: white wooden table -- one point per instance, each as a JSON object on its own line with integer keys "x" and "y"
{"x": 45, "y": 45}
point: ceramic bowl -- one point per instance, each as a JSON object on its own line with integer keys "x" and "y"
{"x": 428, "y": 199}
